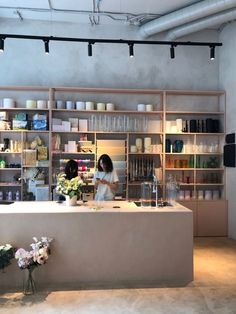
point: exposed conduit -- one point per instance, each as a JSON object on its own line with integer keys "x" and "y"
{"x": 201, "y": 24}
{"x": 186, "y": 15}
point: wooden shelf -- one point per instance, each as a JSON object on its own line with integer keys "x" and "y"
{"x": 24, "y": 109}
{"x": 11, "y": 153}
{"x": 9, "y": 184}
{"x": 190, "y": 113}
{"x": 10, "y": 169}
{"x": 194, "y": 133}
{"x": 131, "y": 112}
{"x": 165, "y": 109}
{"x": 179, "y": 169}
{"x": 145, "y": 154}
{"x": 71, "y": 153}
{"x": 209, "y": 184}
{"x": 210, "y": 169}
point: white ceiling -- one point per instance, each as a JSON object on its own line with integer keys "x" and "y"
{"x": 29, "y": 9}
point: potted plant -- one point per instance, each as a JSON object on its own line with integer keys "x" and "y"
{"x": 71, "y": 189}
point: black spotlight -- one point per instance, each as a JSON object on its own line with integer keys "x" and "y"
{"x": 172, "y": 52}
{"x": 131, "y": 50}
{"x": 1, "y": 44}
{"x": 212, "y": 52}
{"x": 90, "y": 50}
{"x": 46, "y": 46}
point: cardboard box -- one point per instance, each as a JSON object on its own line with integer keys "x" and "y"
{"x": 29, "y": 157}
{"x": 3, "y": 115}
{"x": 39, "y": 125}
{"x": 83, "y": 125}
{"x": 42, "y": 192}
{"x": 42, "y": 153}
{"x": 19, "y": 125}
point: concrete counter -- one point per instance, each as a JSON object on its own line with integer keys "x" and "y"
{"x": 111, "y": 247}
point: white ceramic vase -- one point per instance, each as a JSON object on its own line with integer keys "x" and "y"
{"x": 71, "y": 201}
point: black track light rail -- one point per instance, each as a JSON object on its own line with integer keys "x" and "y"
{"x": 111, "y": 41}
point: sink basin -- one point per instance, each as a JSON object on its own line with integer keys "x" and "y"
{"x": 5, "y": 203}
{"x": 153, "y": 204}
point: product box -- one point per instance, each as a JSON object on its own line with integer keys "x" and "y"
{"x": 67, "y": 126}
{"x": 42, "y": 192}
{"x": 3, "y": 115}
{"x": 83, "y": 125}
{"x": 32, "y": 185}
{"x": 29, "y": 157}
{"x": 39, "y": 125}
{"x": 19, "y": 125}
{"x": 21, "y": 116}
{"x": 42, "y": 153}
{"x": 38, "y": 116}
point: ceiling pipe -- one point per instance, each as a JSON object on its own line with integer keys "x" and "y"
{"x": 186, "y": 15}
{"x": 201, "y": 24}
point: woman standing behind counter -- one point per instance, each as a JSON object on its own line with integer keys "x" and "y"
{"x": 105, "y": 179}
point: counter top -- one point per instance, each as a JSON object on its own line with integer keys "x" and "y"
{"x": 89, "y": 207}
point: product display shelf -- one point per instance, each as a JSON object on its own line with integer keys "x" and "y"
{"x": 168, "y": 107}
{"x": 20, "y": 94}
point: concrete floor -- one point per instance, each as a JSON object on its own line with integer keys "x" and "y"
{"x": 213, "y": 291}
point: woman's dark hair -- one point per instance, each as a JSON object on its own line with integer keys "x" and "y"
{"x": 106, "y": 160}
{"x": 71, "y": 169}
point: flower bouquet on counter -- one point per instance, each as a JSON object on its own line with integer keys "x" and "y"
{"x": 7, "y": 252}
{"x": 68, "y": 187}
{"x": 38, "y": 255}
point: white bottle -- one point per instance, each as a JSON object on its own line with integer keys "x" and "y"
{"x": 17, "y": 196}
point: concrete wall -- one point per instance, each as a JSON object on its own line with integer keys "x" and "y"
{"x": 227, "y": 71}
{"x": 25, "y": 63}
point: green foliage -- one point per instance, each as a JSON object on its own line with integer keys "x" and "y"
{"x": 7, "y": 252}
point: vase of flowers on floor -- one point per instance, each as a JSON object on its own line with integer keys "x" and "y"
{"x": 71, "y": 189}
{"x": 30, "y": 260}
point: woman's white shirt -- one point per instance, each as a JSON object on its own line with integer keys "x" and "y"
{"x": 104, "y": 192}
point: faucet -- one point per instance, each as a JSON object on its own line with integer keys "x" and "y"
{"x": 155, "y": 187}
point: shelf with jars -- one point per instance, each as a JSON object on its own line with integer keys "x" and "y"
{"x": 24, "y": 115}
{"x": 194, "y": 141}
{"x": 114, "y": 118}
{"x": 174, "y": 136}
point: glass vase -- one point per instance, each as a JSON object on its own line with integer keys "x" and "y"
{"x": 28, "y": 282}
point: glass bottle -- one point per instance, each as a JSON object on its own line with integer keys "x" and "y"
{"x": 172, "y": 189}
{"x": 146, "y": 194}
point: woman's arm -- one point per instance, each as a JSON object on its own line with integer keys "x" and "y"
{"x": 112, "y": 185}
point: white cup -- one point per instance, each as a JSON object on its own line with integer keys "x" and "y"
{"x": 31, "y": 104}
{"x": 8, "y": 103}
{"x": 133, "y": 149}
{"x": 89, "y": 105}
{"x": 110, "y": 107}
{"x": 179, "y": 125}
{"x": 149, "y": 107}
{"x": 181, "y": 195}
{"x": 139, "y": 144}
{"x": 60, "y": 104}
{"x": 70, "y": 105}
{"x": 200, "y": 195}
{"x": 41, "y": 104}
{"x": 208, "y": 195}
{"x": 168, "y": 126}
{"x": 80, "y": 105}
{"x": 187, "y": 195}
{"x": 147, "y": 142}
{"x": 141, "y": 107}
{"x": 216, "y": 195}
{"x": 101, "y": 106}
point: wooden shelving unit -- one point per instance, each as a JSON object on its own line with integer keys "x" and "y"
{"x": 168, "y": 105}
